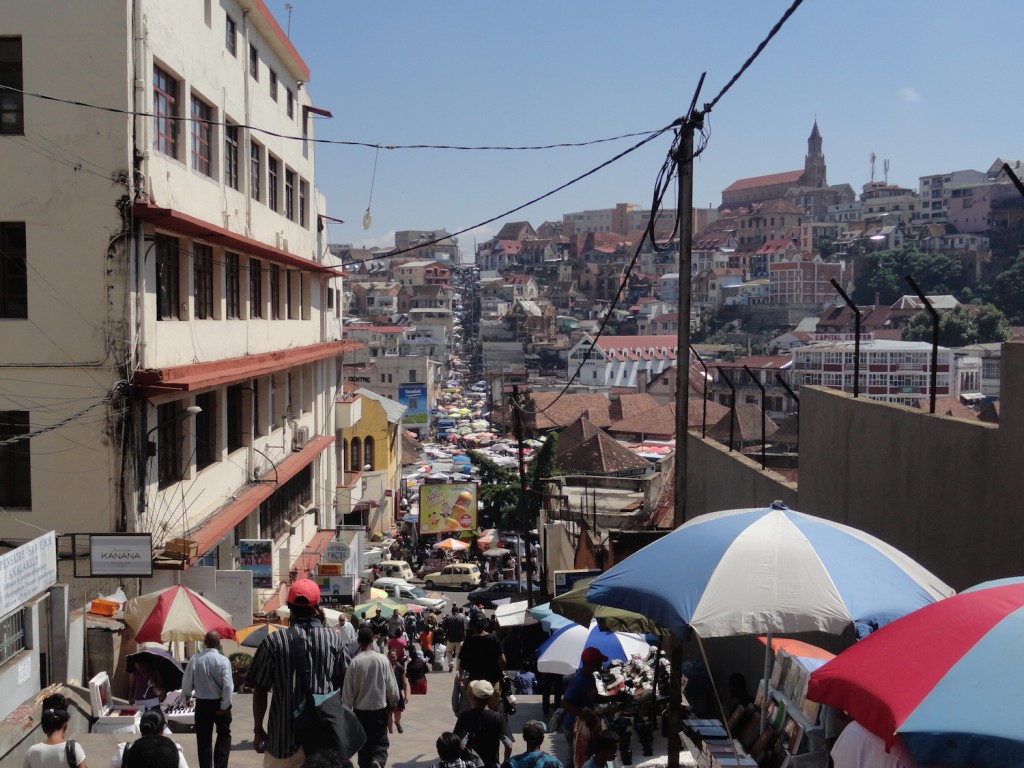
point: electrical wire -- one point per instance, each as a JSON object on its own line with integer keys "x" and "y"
{"x": 118, "y": 386}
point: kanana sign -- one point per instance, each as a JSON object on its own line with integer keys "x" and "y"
{"x": 126, "y": 555}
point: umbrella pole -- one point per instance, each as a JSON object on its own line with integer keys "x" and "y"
{"x": 675, "y": 691}
{"x": 767, "y": 678}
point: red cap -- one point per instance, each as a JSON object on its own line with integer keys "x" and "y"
{"x": 591, "y": 655}
{"x": 304, "y": 592}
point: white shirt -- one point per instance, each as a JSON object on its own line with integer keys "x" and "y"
{"x": 209, "y": 674}
{"x": 857, "y": 747}
{"x": 370, "y": 682}
{"x": 50, "y": 756}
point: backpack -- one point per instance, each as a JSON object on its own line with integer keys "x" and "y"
{"x": 70, "y": 753}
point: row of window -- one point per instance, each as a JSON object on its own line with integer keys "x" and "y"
{"x": 12, "y": 106}
{"x": 231, "y": 44}
{"x": 273, "y": 291}
{"x": 270, "y": 181}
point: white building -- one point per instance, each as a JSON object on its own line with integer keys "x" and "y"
{"x": 171, "y": 339}
{"x": 616, "y": 361}
{"x": 891, "y": 371}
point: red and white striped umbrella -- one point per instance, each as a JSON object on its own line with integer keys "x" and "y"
{"x": 175, "y": 613}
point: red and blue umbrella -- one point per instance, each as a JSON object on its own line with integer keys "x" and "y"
{"x": 755, "y": 571}
{"x": 946, "y": 680}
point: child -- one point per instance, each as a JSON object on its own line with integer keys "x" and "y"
{"x": 450, "y": 754}
{"x": 534, "y": 756}
{"x": 606, "y": 746}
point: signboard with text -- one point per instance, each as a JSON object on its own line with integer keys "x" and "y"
{"x": 448, "y": 509}
{"x": 27, "y": 570}
{"x": 125, "y": 555}
{"x": 566, "y": 580}
{"x": 257, "y": 555}
{"x": 414, "y": 398}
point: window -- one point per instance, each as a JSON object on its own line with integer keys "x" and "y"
{"x": 15, "y": 461}
{"x": 202, "y": 114}
{"x": 356, "y": 454}
{"x": 275, "y": 292}
{"x": 12, "y": 635}
{"x": 206, "y": 430}
{"x": 272, "y": 80}
{"x": 231, "y": 155}
{"x": 202, "y": 280}
{"x": 412, "y": 375}
{"x": 368, "y": 453}
{"x": 238, "y": 429}
{"x": 291, "y": 306}
{"x": 303, "y": 196}
{"x": 277, "y": 512}
{"x": 289, "y": 194}
{"x": 13, "y": 271}
{"x": 165, "y": 112}
{"x": 12, "y": 104}
{"x": 255, "y": 170}
{"x": 289, "y": 100}
{"x": 169, "y": 439}
{"x": 232, "y": 287}
{"x": 167, "y": 278}
{"x": 255, "y": 288}
{"x": 231, "y": 35}
{"x": 254, "y": 63}
{"x": 272, "y": 165}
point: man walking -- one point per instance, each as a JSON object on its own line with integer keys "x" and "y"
{"x": 371, "y": 690}
{"x": 273, "y": 669}
{"x": 455, "y": 629}
{"x": 208, "y": 674}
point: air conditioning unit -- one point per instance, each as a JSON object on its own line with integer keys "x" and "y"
{"x": 301, "y": 437}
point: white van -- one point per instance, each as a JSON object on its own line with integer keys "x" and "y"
{"x": 465, "y": 575}
{"x": 398, "y": 569}
{"x": 403, "y": 592}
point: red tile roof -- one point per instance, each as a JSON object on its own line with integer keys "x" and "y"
{"x": 600, "y": 454}
{"x": 787, "y": 177}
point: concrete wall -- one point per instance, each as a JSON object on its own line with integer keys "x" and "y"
{"x": 717, "y": 479}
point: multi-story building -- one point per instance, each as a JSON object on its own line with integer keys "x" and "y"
{"x": 804, "y": 281}
{"x": 890, "y": 371}
{"x": 433, "y": 244}
{"x": 936, "y": 189}
{"x": 616, "y": 361}
{"x": 171, "y": 339}
{"x": 416, "y": 273}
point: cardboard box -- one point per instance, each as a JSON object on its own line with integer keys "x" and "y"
{"x": 184, "y": 549}
{"x": 104, "y": 607}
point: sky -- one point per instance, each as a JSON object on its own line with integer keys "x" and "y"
{"x": 931, "y": 85}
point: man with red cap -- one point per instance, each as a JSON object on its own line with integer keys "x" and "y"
{"x": 273, "y": 669}
{"x": 581, "y": 722}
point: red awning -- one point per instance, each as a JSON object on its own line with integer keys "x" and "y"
{"x": 189, "y": 378}
{"x": 182, "y": 223}
{"x": 223, "y": 521}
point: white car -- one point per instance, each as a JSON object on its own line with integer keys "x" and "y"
{"x": 410, "y": 594}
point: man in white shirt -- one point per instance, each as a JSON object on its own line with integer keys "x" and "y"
{"x": 208, "y": 674}
{"x": 348, "y": 634}
{"x": 371, "y": 690}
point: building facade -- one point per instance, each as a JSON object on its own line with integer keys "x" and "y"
{"x": 171, "y": 341}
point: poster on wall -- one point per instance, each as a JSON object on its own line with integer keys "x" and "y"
{"x": 257, "y": 556}
{"x": 414, "y": 398}
{"x": 448, "y": 509}
{"x": 121, "y": 555}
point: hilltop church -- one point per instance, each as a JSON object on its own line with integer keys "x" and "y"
{"x": 807, "y": 189}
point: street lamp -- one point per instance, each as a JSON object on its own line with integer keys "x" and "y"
{"x": 192, "y": 410}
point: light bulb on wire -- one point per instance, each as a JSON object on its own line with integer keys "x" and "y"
{"x": 368, "y": 217}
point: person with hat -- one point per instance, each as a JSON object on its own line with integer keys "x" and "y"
{"x": 273, "y": 669}
{"x": 581, "y": 722}
{"x": 534, "y": 756}
{"x": 482, "y": 729}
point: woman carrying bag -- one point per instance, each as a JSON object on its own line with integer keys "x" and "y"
{"x": 416, "y": 671}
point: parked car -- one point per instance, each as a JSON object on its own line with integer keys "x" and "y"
{"x": 398, "y": 569}
{"x": 510, "y": 590}
{"x": 465, "y": 575}
{"x": 404, "y": 592}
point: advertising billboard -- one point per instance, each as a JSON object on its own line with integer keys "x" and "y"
{"x": 257, "y": 555}
{"x": 414, "y": 398}
{"x": 121, "y": 554}
{"x": 448, "y": 509}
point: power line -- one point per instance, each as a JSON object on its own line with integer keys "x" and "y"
{"x": 118, "y": 387}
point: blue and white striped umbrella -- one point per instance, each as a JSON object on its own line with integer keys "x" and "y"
{"x": 753, "y": 571}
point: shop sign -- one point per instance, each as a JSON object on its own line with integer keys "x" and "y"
{"x": 26, "y": 571}
{"x": 448, "y": 509}
{"x": 127, "y": 555}
{"x": 337, "y": 551}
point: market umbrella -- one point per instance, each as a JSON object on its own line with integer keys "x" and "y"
{"x": 810, "y": 656}
{"x": 386, "y": 607}
{"x": 175, "y": 613}
{"x": 560, "y": 653}
{"x": 496, "y": 552}
{"x": 162, "y": 661}
{"x": 452, "y": 545}
{"x": 575, "y": 606}
{"x": 756, "y": 571}
{"x": 945, "y": 679}
{"x": 254, "y": 634}
{"x": 549, "y": 620}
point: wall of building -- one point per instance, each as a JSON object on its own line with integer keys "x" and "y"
{"x": 718, "y": 479}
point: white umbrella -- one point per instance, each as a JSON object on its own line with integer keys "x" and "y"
{"x": 514, "y": 615}
{"x": 560, "y": 654}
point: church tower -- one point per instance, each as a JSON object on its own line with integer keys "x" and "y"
{"x": 814, "y": 162}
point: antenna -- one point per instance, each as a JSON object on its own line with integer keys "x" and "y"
{"x": 872, "y": 157}
{"x": 885, "y": 165}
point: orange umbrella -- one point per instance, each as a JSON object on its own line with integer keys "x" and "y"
{"x": 452, "y": 545}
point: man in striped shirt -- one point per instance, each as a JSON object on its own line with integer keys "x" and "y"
{"x": 272, "y": 669}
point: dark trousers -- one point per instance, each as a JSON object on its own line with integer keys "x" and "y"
{"x": 212, "y": 755}
{"x": 375, "y": 724}
{"x": 550, "y": 691}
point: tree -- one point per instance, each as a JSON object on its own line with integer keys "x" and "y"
{"x": 884, "y": 274}
{"x": 992, "y": 325}
{"x": 960, "y": 326}
{"x": 1009, "y": 291}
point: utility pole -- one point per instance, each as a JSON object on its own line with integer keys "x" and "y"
{"x": 517, "y": 425}
{"x": 684, "y": 164}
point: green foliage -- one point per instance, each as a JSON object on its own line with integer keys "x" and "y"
{"x": 1009, "y": 291}
{"x": 499, "y": 491}
{"x": 960, "y": 327}
{"x": 240, "y": 660}
{"x": 884, "y": 273}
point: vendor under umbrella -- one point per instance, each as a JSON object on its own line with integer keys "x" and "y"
{"x": 152, "y": 672}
